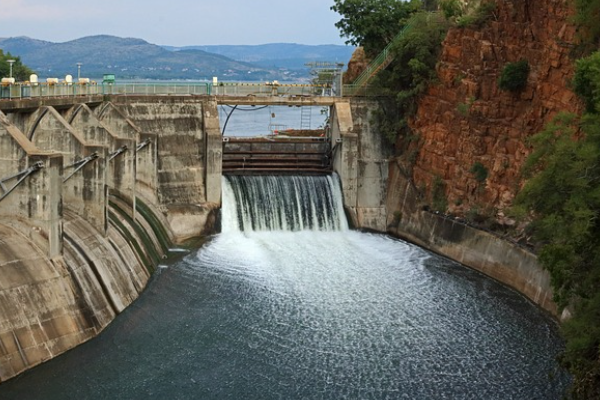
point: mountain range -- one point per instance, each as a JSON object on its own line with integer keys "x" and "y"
{"x": 131, "y": 58}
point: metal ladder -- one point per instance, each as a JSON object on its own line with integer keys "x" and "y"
{"x": 305, "y": 118}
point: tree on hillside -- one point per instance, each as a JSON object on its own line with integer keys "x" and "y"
{"x": 408, "y": 76}
{"x": 373, "y": 23}
{"x": 587, "y": 17}
{"x": 563, "y": 196}
{"x": 19, "y": 71}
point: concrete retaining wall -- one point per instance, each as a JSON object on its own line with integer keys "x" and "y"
{"x": 186, "y": 131}
{"x": 114, "y": 185}
{"x": 361, "y": 161}
{"x": 482, "y": 251}
{"x": 378, "y": 196}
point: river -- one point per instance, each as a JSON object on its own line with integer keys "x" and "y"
{"x": 315, "y": 311}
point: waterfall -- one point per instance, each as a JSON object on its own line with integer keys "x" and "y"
{"x": 282, "y": 203}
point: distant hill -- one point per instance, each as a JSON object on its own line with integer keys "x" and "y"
{"x": 127, "y": 58}
{"x": 130, "y": 58}
{"x": 287, "y": 55}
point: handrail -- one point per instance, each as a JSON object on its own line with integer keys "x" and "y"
{"x": 382, "y": 60}
{"x": 22, "y": 90}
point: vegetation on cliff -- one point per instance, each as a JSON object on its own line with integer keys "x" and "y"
{"x": 587, "y": 17}
{"x": 563, "y": 195}
{"x": 514, "y": 76}
{"x": 374, "y": 24}
{"x": 408, "y": 76}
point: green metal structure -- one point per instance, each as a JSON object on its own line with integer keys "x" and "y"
{"x": 379, "y": 63}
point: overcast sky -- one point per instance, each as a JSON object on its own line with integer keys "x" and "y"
{"x": 174, "y": 22}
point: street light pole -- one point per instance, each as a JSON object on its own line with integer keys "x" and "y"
{"x": 79, "y": 70}
{"x": 10, "y": 63}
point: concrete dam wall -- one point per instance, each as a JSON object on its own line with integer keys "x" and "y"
{"x": 93, "y": 194}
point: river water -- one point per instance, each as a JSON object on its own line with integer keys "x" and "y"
{"x": 315, "y": 311}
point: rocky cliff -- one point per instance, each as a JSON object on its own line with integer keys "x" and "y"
{"x": 357, "y": 64}
{"x": 465, "y": 119}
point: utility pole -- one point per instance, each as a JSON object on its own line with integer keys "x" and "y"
{"x": 10, "y": 63}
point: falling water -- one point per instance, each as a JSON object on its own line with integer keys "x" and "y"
{"x": 282, "y": 203}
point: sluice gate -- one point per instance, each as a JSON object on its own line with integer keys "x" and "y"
{"x": 266, "y": 155}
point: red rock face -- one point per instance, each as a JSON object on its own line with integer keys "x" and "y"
{"x": 357, "y": 64}
{"x": 466, "y": 118}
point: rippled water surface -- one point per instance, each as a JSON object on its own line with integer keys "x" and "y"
{"x": 312, "y": 315}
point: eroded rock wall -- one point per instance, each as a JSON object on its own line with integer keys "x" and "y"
{"x": 466, "y": 119}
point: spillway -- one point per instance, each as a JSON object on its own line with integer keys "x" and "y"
{"x": 282, "y": 203}
{"x": 288, "y": 303}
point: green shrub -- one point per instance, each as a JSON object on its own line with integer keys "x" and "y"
{"x": 514, "y": 76}
{"x": 479, "y": 16}
{"x": 479, "y": 171}
{"x": 477, "y": 215}
{"x": 463, "y": 109}
{"x": 451, "y": 8}
{"x": 586, "y": 17}
{"x": 586, "y": 82}
{"x": 439, "y": 202}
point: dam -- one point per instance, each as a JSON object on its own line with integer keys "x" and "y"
{"x": 112, "y": 182}
{"x": 97, "y": 188}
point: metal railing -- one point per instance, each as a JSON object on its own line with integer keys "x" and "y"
{"x": 269, "y": 89}
{"x": 40, "y": 90}
{"x": 47, "y": 90}
{"x": 352, "y": 89}
{"x": 157, "y": 88}
{"x": 380, "y": 62}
